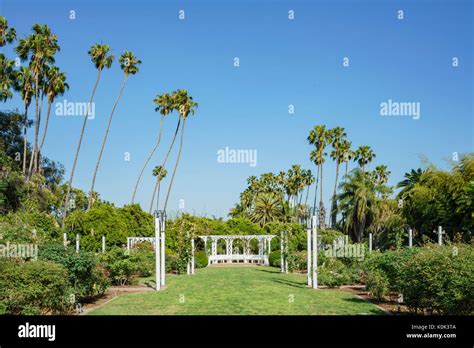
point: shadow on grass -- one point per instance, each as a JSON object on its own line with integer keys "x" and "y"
{"x": 358, "y": 300}
{"x": 290, "y": 283}
{"x": 268, "y": 271}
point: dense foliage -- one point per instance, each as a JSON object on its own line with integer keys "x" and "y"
{"x": 432, "y": 279}
{"x": 31, "y": 288}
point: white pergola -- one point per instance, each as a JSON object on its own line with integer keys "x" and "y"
{"x": 132, "y": 241}
{"x": 231, "y": 256}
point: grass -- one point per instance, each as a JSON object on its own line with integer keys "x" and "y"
{"x": 241, "y": 291}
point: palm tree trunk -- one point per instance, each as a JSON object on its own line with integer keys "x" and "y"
{"x": 307, "y": 195}
{"x": 321, "y": 185}
{"x": 316, "y": 190}
{"x": 322, "y": 212}
{"x": 45, "y": 128}
{"x": 37, "y": 153}
{"x": 25, "y": 141}
{"x": 148, "y": 160}
{"x": 35, "y": 143}
{"x": 91, "y": 194}
{"x": 66, "y": 201}
{"x": 176, "y": 164}
{"x": 347, "y": 166}
{"x": 157, "y": 197}
{"x": 153, "y": 197}
{"x": 166, "y": 158}
{"x": 334, "y": 204}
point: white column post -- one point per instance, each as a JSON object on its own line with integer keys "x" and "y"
{"x": 315, "y": 253}
{"x": 370, "y": 242}
{"x": 188, "y": 265}
{"x": 103, "y": 244}
{"x": 244, "y": 248}
{"x": 192, "y": 255}
{"x": 269, "y": 251}
{"x": 286, "y": 252}
{"x": 162, "y": 253}
{"x": 214, "y": 248}
{"x": 65, "y": 239}
{"x": 281, "y": 252}
{"x": 308, "y": 251}
{"x": 77, "y": 243}
{"x": 410, "y": 238}
{"x": 157, "y": 254}
{"x": 440, "y": 235}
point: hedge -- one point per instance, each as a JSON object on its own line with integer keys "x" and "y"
{"x": 33, "y": 288}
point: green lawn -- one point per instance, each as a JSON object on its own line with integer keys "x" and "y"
{"x": 238, "y": 290}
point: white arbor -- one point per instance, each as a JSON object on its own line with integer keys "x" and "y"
{"x": 238, "y": 256}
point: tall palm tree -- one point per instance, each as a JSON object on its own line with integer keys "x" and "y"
{"x": 160, "y": 173}
{"x": 102, "y": 59}
{"x": 382, "y": 173}
{"x": 6, "y": 77}
{"x": 24, "y": 85}
{"x": 358, "y": 203}
{"x": 42, "y": 45}
{"x": 165, "y": 107}
{"x": 320, "y": 137}
{"x": 56, "y": 85}
{"x": 347, "y": 153}
{"x": 338, "y": 156}
{"x": 7, "y": 34}
{"x": 364, "y": 155}
{"x": 186, "y": 106}
{"x": 308, "y": 181}
{"x": 129, "y": 65}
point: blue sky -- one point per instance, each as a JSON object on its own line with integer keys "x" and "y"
{"x": 282, "y": 62}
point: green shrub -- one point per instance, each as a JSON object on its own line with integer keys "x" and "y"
{"x": 275, "y": 258}
{"x": 297, "y": 261}
{"x": 377, "y": 284}
{"x": 33, "y": 288}
{"x": 143, "y": 256}
{"x": 329, "y": 236}
{"x": 116, "y": 224}
{"x": 120, "y": 266}
{"x": 333, "y": 273}
{"x": 433, "y": 278}
{"x": 85, "y": 275}
{"x": 171, "y": 261}
{"x": 200, "y": 259}
{"x": 390, "y": 263}
{"x": 440, "y": 279}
